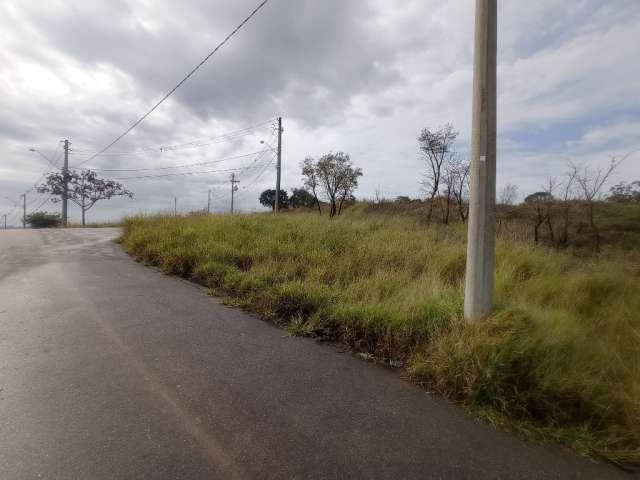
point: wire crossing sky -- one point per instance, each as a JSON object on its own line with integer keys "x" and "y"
{"x": 180, "y": 83}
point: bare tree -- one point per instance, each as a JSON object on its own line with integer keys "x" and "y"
{"x": 461, "y": 190}
{"x": 508, "y": 194}
{"x": 311, "y": 180}
{"x": 448, "y": 176}
{"x": 437, "y": 148}
{"x": 455, "y": 182}
{"x": 548, "y": 203}
{"x": 567, "y": 187}
{"x": 335, "y": 175}
{"x": 590, "y": 183}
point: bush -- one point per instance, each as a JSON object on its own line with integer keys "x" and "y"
{"x": 44, "y": 220}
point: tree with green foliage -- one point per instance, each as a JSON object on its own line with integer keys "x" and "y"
{"x": 335, "y": 176}
{"x": 538, "y": 197}
{"x": 43, "y": 220}
{"x": 540, "y": 203}
{"x": 625, "y": 192}
{"x": 301, "y": 198}
{"x": 85, "y": 189}
{"x": 268, "y": 199}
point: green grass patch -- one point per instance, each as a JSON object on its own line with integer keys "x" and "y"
{"x": 559, "y": 359}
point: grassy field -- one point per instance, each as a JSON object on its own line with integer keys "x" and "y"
{"x": 559, "y": 360}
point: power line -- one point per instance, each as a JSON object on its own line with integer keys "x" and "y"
{"x": 222, "y": 194}
{"x": 200, "y": 142}
{"x": 196, "y": 68}
{"x": 257, "y": 177}
{"x": 58, "y": 155}
{"x": 16, "y": 204}
{"x": 37, "y": 209}
{"x": 178, "y": 174}
{"x": 35, "y": 185}
{"x": 33, "y": 201}
{"x": 185, "y": 165}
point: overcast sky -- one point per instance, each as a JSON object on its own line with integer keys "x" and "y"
{"x": 360, "y": 76}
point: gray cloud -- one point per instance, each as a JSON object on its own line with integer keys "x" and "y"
{"x": 312, "y": 56}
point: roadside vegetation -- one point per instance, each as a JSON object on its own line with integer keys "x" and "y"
{"x": 558, "y": 360}
{"x": 43, "y": 220}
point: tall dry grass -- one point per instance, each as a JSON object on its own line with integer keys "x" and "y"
{"x": 559, "y": 359}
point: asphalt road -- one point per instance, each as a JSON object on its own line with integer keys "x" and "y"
{"x": 110, "y": 370}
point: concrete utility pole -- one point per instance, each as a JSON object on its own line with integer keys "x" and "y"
{"x": 24, "y": 210}
{"x": 278, "y": 166}
{"x": 65, "y": 187}
{"x": 234, "y": 188}
{"x": 175, "y": 206}
{"x": 479, "y": 283}
{"x": 209, "y": 201}
{"x": 5, "y": 221}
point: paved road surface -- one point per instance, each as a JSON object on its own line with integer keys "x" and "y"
{"x": 110, "y": 370}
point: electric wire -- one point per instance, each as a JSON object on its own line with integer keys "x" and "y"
{"x": 222, "y": 194}
{"x": 259, "y": 155}
{"x": 179, "y": 174}
{"x": 184, "y": 165}
{"x": 180, "y": 83}
{"x": 37, "y": 209}
{"x": 257, "y": 177}
{"x": 200, "y": 142}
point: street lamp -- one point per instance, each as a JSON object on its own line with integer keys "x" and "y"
{"x": 43, "y": 156}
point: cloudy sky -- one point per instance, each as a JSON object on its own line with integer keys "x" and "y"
{"x": 360, "y": 76}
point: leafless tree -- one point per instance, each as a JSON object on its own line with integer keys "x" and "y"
{"x": 590, "y": 183}
{"x": 455, "y": 182}
{"x": 437, "y": 148}
{"x": 508, "y": 194}
{"x": 567, "y": 188}
{"x": 552, "y": 184}
{"x": 448, "y": 183}
{"x": 311, "y": 180}
{"x": 461, "y": 190}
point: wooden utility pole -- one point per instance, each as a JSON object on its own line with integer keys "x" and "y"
{"x": 234, "y": 188}
{"x": 65, "y": 185}
{"x": 24, "y": 210}
{"x": 209, "y": 201}
{"x": 175, "y": 206}
{"x": 278, "y": 166}
{"x": 5, "y": 221}
{"x": 480, "y": 272}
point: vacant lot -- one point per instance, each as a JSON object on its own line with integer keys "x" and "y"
{"x": 559, "y": 360}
